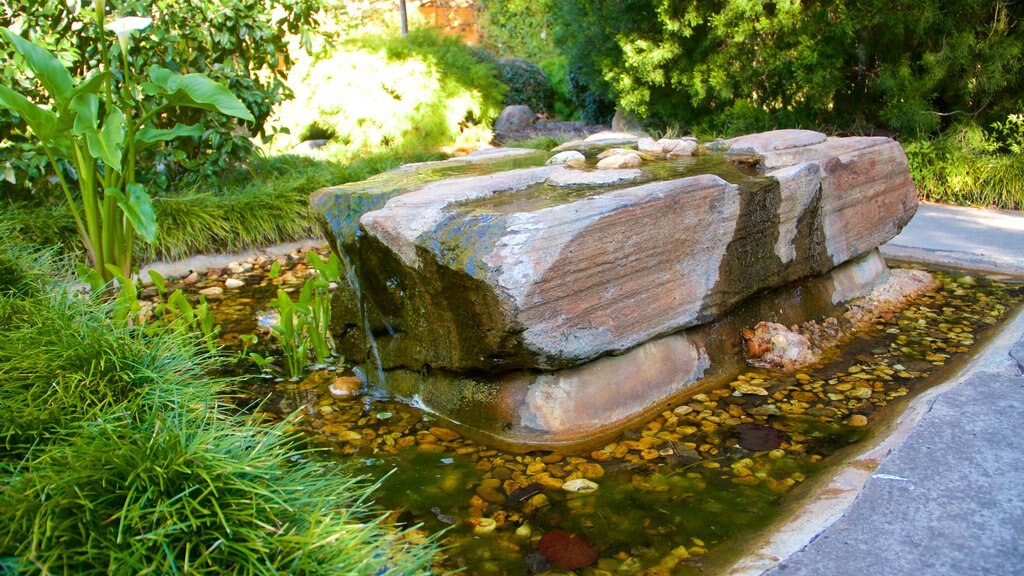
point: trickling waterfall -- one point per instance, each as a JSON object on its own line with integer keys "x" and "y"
{"x": 360, "y": 300}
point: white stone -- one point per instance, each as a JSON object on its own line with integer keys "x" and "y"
{"x": 649, "y": 146}
{"x": 620, "y": 161}
{"x": 579, "y": 485}
{"x": 682, "y": 148}
{"x": 570, "y": 157}
{"x": 232, "y": 283}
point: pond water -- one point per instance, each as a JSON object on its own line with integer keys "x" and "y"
{"x": 680, "y": 494}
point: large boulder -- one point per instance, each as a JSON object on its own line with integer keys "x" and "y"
{"x": 588, "y": 404}
{"x": 551, "y": 267}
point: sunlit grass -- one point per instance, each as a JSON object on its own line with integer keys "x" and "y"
{"x": 949, "y": 170}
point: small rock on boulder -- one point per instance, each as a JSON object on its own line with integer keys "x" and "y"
{"x": 668, "y": 146}
{"x": 569, "y": 157}
{"x": 620, "y": 161}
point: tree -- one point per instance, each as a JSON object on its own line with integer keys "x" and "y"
{"x": 729, "y": 65}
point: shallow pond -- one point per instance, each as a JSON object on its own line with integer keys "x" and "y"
{"x": 681, "y": 494}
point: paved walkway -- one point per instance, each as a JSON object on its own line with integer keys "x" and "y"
{"x": 985, "y": 240}
{"x": 949, "y": 499}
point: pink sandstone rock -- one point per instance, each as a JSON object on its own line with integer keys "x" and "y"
{"x": 518, "y": 270}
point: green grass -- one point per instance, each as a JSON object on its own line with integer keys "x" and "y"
{"x": 257, "y": 208}
{"x": 119, "y": 455}
{"x": 950, "y": 170}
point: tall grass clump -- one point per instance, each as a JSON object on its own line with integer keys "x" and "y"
{"x": 266, "y": 205}
{"x": 175, "y": 490}
{"x": 118, "y": 455}
{"x": 967, "y": 166}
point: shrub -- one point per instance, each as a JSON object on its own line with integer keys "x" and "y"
{"x": 901, "y": 65}
{"x": 518, "y": 29}
{"x": 968, "y": 166}
{"x": 557, "y": 71}
{"x": 595, "y": 106}
{"x": 527, "y": 84}
{"x": 402, "y": 94}
{"x": 179, "y": 490}
{"x": 240, "y": 43}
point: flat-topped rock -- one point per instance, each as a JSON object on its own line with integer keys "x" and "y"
{"x": 554, "y": 266}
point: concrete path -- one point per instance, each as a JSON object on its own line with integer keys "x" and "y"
{"x": 948, "y": 501}
{"x": 948, "y": 496}
{"x": 983, "y": 240}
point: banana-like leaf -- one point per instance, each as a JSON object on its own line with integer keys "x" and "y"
{"x": 86, "y": 108}
{"x": 195, "y": 91}
{"x": 44, "y": 65}
{"x": 138, "y": 207}
{"x": 42, "y": 121}
{"x": 106, "y": 143}
{"x": 148, "y": 136}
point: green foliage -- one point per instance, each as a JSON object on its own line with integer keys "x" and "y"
{"x": 117, "y": 455}
{"x": 725, "y": 65}
{"x": 24, "y": 271}
{"x": 303, "y": 325}
{"x": 524, "y": 29}
{"x": 557, "y": 71}
{"x": 968, "y": 166}
{"x": 527, "y": 84}
{"x": 174, "y": 491}
{"x": 518, "y": 29}
{"x": 538, "y": 143}
{"x": 115, "y": 207}
{"x": 396, "y": 94}
{"x": 240, "y": 43}
{"x": 399, "y": 94}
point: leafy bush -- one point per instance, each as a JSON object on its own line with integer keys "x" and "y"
{"x": 518, "y": 29}
{"x": 117, "y": 455}
{"x": 375, "y": 93}
{"x": 557, "y": 71}
{"x": 240, "y": 43}
{"x": 905, "y": 66}
{"x": 115, "y": 205}
{"x": 968, "y": 166}
{"x": 527, "y": 84}
{"x": 595, "y": 107}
